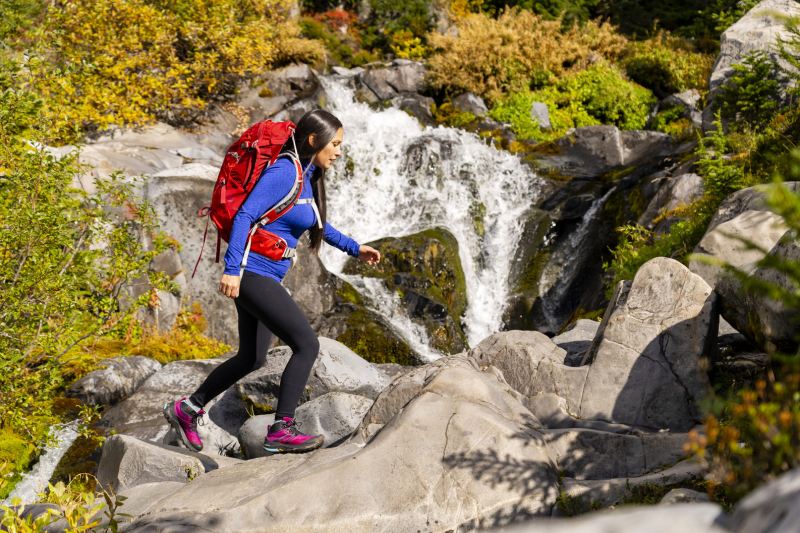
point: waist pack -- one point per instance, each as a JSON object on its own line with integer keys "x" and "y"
{"x": 244, "y": 162}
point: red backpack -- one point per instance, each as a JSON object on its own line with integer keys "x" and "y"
{"x": 245, "y": 160}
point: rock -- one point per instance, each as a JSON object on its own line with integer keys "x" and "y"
{"x": 335, "y": 309}
{"x": 533, "y": 366}
{"x": 723, "y": 242}
{"x": 127, "y": 462}
{"x": 771, "y": 324}
{"x": 252, "y": 433}
{"x": 771, "y": 507}
{"x": 425, "y": 270}
{"x": 118, "y": 379}
{"x": 594, "y": 150}
{"x": 577, "y": 340}
{"x": 687, "y": 518}
{"x": 141, "y": 499}
{"x": 461, "y": 438}
{"x": 646, "y": 367}
{"x": 750, "y": 199}
{"x": 588, "y": 494}
{"x": 674, "y": 192}
{"x": 586, "y": 454}
{"x": 295, "y": 81}
{"x": 417, "y": 106}
{"x": 140, "y": 415}
{"x": 176, "y": 198}
{"x": 337, "y": 368}
{"x": 400, "y": 77}
{"x": 689, "y": 101}
{"x": 541, "y": 115}
{"x": 470, "y": 103}
{"x": 676, "y": 496}
{"x": 334, "y": 415}
{"x": 758, "y": 30}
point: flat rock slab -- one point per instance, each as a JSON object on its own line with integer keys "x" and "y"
{"x": 772, "y": 507}
{"x": 459, "y": 454}
{"x": 686, "y": 518}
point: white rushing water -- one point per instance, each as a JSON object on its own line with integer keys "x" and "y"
{"x": 397, "y": 177}
{"x": 35, "y": 482}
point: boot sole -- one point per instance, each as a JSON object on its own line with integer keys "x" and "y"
{"x": 275, "y": 449}
{"x": 176, "y": 425}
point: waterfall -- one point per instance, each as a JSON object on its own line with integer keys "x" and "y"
{"x": 397, "y": 177}
{"x": 34, "y": 482}
{"x": 560, "y": 272}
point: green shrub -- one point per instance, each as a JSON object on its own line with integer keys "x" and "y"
{"x": 517, "y": 52}
{"x": 666, "y": 64}
{"x": 598, "y": 95}
{"x": 751, "y": 95}
{"x": 101, "y": 62}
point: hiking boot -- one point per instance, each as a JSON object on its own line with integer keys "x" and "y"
{"x": 283, "y": 436}
{"x": 183, "y": 417}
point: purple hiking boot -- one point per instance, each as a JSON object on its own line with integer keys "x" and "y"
{"x": 183, "y": 417}
{"x": 283, "y": 436}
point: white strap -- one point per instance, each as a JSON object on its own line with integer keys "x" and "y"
{"x": 247, "y": 249}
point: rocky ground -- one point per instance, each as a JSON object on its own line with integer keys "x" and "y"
{"x": 526, "y": 425}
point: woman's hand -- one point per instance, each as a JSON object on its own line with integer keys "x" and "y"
{"x": 229, "y": 285}
{"x": 369, "y": 255}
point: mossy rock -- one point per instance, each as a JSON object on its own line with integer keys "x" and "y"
{"x": 425, "y": 270}
{"x": 363, "y": 331}
{"x": 16, "y": 453}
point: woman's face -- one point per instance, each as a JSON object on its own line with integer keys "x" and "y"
{"x": 330, "y": 151}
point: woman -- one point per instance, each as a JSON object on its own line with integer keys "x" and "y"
{"x": 263, "y": 305}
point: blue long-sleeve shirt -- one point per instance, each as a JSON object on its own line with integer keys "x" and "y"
{"x": 274, "y": 184}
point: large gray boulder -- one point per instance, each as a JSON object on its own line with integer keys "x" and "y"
{"x": 118, "y": 379}
{"x": 334, "y": 415}
{"x": 461, "y": 453}
{"x": 401, "y": 76}
{"x": 725, "y": 243}
{"x": 127, "y": 462}
{"x": 759, "y": 29}
{"x": 594, "y": 150}
{"x": 470, "y": 103}
{"x": 674, "y": 192}
{"x": 646, "y": 369}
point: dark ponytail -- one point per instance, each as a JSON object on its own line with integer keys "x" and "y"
{"x": 324, "y": 125}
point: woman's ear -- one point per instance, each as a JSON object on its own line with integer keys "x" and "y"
{"x": 312, "y": 139}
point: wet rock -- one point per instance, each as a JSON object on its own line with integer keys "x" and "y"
{"x": 673, "y": 192}
{"x": 417, "y": 106}
{"x": 470, "y": 103}
{"x": 401, "y": 76}
{"x": 646, "y": 369}
{"x": 425, "y": 271}
{"x": 118, "y": 379}
{"x": 577, "y": 340}
{"x": 595, "y": 150}
{"x": 435, "y": 440}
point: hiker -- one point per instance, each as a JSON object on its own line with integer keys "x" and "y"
{"x": 253, "y": 280}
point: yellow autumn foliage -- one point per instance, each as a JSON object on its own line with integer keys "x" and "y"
{"x": 102, "y": 62}
{"x": 517, "y": 51}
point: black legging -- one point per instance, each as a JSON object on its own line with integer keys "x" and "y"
{"x": 265, "y": 307}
